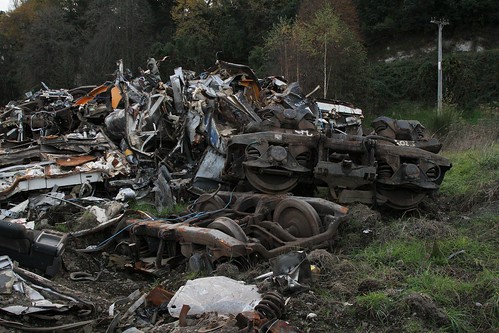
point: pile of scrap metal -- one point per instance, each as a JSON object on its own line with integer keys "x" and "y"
{"x": 224, "y": 127}
{"x": 228, "y": 143}
{"x": 35, "y": 304}
{"x": 28, "y": 295}
{"x": 222, "y": 133}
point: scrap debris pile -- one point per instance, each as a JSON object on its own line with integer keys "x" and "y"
{"x": 245, "y": 153}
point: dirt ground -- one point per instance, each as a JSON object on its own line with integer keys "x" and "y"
{"x": 333, "y": 302}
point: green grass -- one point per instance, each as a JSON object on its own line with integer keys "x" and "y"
{"x": 451, "y": 257}
{"x": 489, "y": 312}
{"x": 459, "y": 321}
{"x": 397, "y": 252}
{"x": 469, "y": 252}
{"x": 463, "y": 287}
{"x": 150, "y": 208}
{"x": 474, "y": 174}
{"x": 454, "y": 296}
{"x": 485, "y": 288}
{"x": 378, "y": 305}
{"x": 61, "y": 227}
{"x": 414, "y": 325}
{"x": 412, "y": 111}
{"x": 417, "y": 254}
{"x": 444, "y": 289}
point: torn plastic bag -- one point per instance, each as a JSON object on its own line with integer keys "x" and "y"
{"x": 214, "y": 294}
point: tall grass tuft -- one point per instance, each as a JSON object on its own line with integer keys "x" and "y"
{"x": 439, "y": 125}
{"x": 459, "y": 320}
{"x": 378, "y": 305}
{"x": 445, "y": 290}
{"x": 474, "y": 177}
{"x": 480, "y": 134}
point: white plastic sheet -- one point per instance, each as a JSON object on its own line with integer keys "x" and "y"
{"x": 214, "y": 294}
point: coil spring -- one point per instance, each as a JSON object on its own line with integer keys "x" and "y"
{"x": 379, "y": 127}
{"x": 420, "y": 132}
{"x": 267, "y": 115}
{"x": 144, "y": 249}
{"x": 252, "y": 153}
{"x": 433, "y": 173}
{"x": 385, "y": 171}
{"x": 303, "y": 158}
{"x": 271, "y": 306}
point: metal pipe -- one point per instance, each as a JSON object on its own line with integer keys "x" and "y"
{"x": 300, "y": 242}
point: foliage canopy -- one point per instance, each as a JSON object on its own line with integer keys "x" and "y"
{"x": 66, "y": 43}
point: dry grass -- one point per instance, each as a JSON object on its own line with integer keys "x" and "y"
{"x": 464, "y": 136}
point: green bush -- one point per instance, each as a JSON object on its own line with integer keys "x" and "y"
{"x": 470, "y": 79}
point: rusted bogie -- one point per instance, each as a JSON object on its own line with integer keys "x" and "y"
{"x": 248, "y": 223}
{"x": 369, "y": 169}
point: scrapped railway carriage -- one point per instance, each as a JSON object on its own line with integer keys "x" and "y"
{"x": 253, "y": 151}
{"x": 231, "y": 225}
{"x": 369, "y": 169}
{"x": 223, "y": 128}
{"x": 301, "y": 144}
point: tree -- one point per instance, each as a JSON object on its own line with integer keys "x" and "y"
{"x": 117, "y": 29}
{"x": 8, "y": 88}
{"x": 18, "y": 3}
{"x": 234, "y": 27}
{"x": 162, "y": 23}
{"x": 49, "y": 52}
{"x": 27, "y": 38}
{"x": 384, "y": 20}
{"x": 326, "y": 40}
{"x": 319, "y": 49}
{"x": 279, "y": 45}
{"x": 344, "y": 9}
{"x": 194, "y": 44}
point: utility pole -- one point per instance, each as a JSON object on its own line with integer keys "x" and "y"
{"x": 441, "y": 23}
{"x": 325, "y": 64}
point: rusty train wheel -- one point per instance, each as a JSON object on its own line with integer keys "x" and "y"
{"x": 269, "y": 183}
{"x": 402, "y": 198}
{"x": 209, "y": 203}
{"x": 230, "y": 227}
{"x": 298, "y": 217}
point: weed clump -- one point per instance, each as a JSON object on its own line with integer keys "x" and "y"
{"x": 425, "y": 308}
{"x": 377, "y": 305}
{"x": 474, "y": 177}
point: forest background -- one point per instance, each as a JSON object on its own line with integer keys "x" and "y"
{"x": 372, "y": 53}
